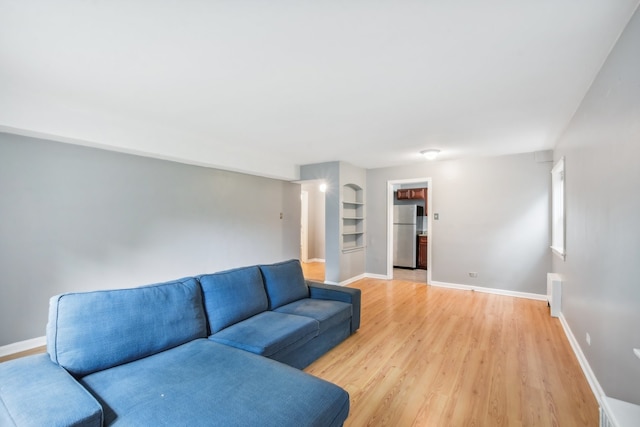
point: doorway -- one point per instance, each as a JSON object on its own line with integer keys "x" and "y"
{"x": 393, "y": 185}
{"x": 312, "y": 229}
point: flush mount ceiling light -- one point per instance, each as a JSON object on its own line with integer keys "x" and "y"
{"x": 430, "y": 154}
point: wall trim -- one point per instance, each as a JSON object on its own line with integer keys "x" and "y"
{"x": 18, "y": 347}
{"x": 586, "y": 368}
{"x": 353, "y": 279}
{"x": 527, "y": 295}
{"x": 316, "y": 260}
{"x": 358, "y": 277}
{"x": 348, "y": 281}
{"x": 377, "y": 276}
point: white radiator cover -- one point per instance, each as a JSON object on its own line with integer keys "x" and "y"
{"x": 605, "y": 420}
{"x": 554, "y": 293}
{"x": 616, "y": 413}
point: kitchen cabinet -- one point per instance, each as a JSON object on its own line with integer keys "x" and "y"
{"x": 412, "y": 194}
{"x": 422, "y": 252}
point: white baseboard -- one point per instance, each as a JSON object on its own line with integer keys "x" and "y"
{"x": 577, "y": 350}
{"x": 346, "y": 282}
{"x": 527, "y": 295}
{"x": 621, "y": 414}
{"x": 377, "y": 276}
{"x": 353, "y": 279}
{"x": 315, "y": 260}
{"x": 358, "y": 277}
{"x": 20, "y": 346}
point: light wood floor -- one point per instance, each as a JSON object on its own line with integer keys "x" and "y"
{"x": 36, "y": 350}
{"x": 428, "y": 356}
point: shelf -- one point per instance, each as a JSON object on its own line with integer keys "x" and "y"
{"x": 353, "y": 222}
{"x": 353, "y": 249}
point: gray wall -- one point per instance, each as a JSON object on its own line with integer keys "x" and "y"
{"x": 75, "y": 218}
{"x": 601, "y": 290}
{"x": 494, "y": 220}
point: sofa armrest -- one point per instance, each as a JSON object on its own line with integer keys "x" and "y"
{"x": 338, "y": 293}
{"x": 34, "y": 391}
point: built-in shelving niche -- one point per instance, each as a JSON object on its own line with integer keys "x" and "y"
{"x": 352, "y": 218}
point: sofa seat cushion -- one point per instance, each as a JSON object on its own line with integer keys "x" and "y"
{"x": 268, "y": 333}
{"x": 284, "y": 282}
{"x": 206, "y": 383}
{"x": 327, "y": 313}
{"x": 233, "y": 295}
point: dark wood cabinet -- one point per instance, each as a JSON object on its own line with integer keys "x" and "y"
{"x": 402, "y": 195}
{"x": 422, "y": 252}
{"x": 412, "y": 194}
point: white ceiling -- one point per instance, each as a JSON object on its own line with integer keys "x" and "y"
{"x": 265, "y": 86}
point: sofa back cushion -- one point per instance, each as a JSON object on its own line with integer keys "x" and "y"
{"x": 232, "y": 296}
{"x": 92, "y": 331}
{"x": 284, "y": 282}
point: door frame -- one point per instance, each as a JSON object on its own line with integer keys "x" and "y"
{"x": 390, "y": 184}
{"x": 304, "y": 226}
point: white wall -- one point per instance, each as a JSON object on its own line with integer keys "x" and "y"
{"x": 75, "y": 218}
{"x": 601, "y": 290}
{"x": 494, "y": 220}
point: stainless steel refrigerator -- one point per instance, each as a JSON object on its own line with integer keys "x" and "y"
{"x": 405, "y": 230}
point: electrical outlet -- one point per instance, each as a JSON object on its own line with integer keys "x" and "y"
{"x": 436, "y": 216}
{"x": 636, "y": 351}
{"x": 473, "y": 274}
{"x": 588, "y": 338}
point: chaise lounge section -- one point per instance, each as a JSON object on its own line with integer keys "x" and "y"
{"x": 207, "y": 350}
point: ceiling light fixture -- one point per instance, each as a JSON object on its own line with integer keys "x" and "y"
{"x": 323, "y": 187}
{"x": 430, "y": 154}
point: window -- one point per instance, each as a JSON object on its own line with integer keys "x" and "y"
{"x": 557, "y": 209}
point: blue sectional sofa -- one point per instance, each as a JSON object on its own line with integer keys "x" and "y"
{"x": 212, "y": 350}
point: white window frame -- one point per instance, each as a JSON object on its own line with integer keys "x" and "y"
{"x": 558, "y": 209}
